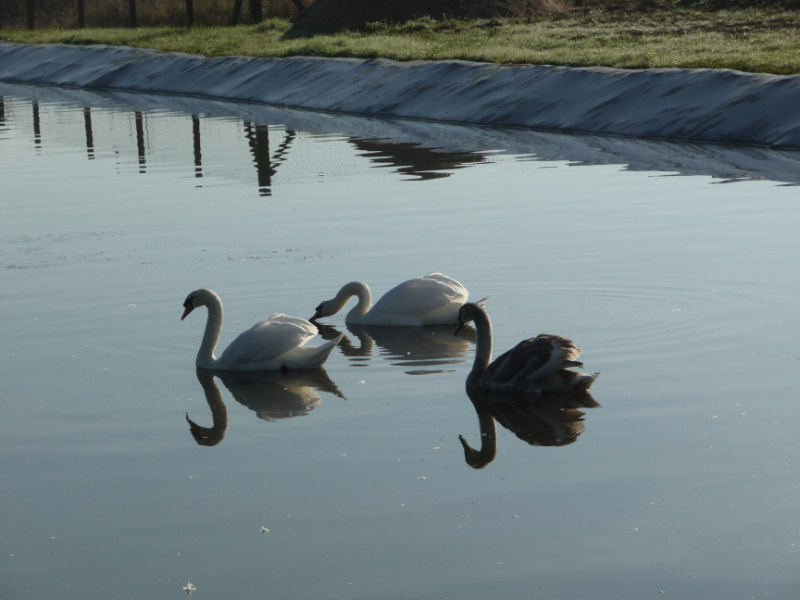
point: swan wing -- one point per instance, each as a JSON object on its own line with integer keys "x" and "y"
{"x": 267, "y": 340}
{"x": 534, "y": 358}
{"x": 430, "y": 300}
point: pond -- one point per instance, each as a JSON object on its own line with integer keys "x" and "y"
{"x": 674, "y": 267}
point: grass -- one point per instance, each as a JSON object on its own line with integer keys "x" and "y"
{"x": 754, "y": 40}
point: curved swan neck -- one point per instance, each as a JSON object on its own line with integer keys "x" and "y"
{"x": 478, "y": 459}
{"x": 483, "y": 346}
{"x": 360, "y": 291}
{"x": 205, "y": 355}
{"x": 210, "y": 436}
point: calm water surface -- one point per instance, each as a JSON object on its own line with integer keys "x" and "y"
{"x": 673, "y": 267}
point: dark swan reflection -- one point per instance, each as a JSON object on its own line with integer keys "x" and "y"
{"x": 421, "y": 350}
{"x": 271, "y": 395}
{"x": 547, "y": 419}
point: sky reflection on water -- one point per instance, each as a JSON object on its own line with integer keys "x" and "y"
{"x": 684, "y": 480}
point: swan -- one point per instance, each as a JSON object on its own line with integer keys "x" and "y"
{"x": 430, "y": 300}
{"x": 535, "y": 365}
{"x": 277, "y": 344}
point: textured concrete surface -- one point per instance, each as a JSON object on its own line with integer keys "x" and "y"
{"x": 676, "y": 104}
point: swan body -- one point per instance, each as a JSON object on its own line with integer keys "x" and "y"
{"x": 536, "y": 365}
{"x": 277, "y": 344}
{"x": 430, "y": 300}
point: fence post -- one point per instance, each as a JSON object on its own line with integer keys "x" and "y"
{"x": 189, "y": 13}
{"x": 29, "y": 6}
{"x": 81, "y": 14}
{"x": 255, "y": 11}
{"x": 131, "y": 13}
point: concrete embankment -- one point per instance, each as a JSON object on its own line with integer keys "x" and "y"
{"x": 695, "y": 105}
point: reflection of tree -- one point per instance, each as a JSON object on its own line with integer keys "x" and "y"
{"x": 87, "y": 126}
{"x": 37, "y": 125}
{"x": 140, "y": 147}
{"x": 419, "y": 348}
{"x": 197, "y": 149}
{"x": 550, "y": 419}
{"x": 258, "y": 140}
{"x": 271, "y": 395}
{"x": 413, "y": 159}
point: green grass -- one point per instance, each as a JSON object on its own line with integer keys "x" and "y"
{"x": 755, "y": 40}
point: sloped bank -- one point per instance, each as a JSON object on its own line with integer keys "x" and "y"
{"x": 693, "y": 105}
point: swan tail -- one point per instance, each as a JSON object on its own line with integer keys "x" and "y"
{"x": 573, "y": 363}
{"x": 583, "y": 381}
{"x": 309, "y": 357}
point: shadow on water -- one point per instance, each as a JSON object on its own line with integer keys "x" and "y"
{"x": 271, "y": 395}
{"x": 552, "y": 419}
{"x": 420, "y": 350}
{"x": 266, "y": 138}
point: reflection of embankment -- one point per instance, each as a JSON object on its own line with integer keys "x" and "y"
{"x": 210, "y": 147}
{"x": 540, "y": 420}
{"x": 232, "y": 141}
{"x": 271, "y": 395}
{"x": 421, "y": 350}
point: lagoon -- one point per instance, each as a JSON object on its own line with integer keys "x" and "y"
{"x": 671, "y": 265}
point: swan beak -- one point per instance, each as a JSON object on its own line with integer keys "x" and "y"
{"x": 187, "y": 310}
{"x": 460, "y": 325}
{"x": 317, "y": 315}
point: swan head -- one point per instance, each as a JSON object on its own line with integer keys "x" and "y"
{"x": 195, "y": 299}
{"x": 468, "y": 311}
{"x": 477, "y": 459}
{"x": 324, "y": 309}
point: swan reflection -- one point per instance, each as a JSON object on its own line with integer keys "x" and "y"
{"x": 551, "y": 419}
{"x": 271, "y": 395}
{"x": 421, "y": 350}
{"x": 210, "y": 436}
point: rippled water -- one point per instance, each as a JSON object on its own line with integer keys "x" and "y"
{"x": 352, "y": 483}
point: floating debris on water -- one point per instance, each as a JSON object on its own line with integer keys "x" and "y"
{"x": 189, "y": 588}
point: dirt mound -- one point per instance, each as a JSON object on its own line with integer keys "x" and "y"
{"x": 335, "y": 15}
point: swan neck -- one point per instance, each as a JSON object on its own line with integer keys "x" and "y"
{"x": 205, "y": 356}
{"x": 478, "y": 459}
{"x": 360, "y": 291}
{"x": 483, "y": 345}
{"x": 210, "y": 436}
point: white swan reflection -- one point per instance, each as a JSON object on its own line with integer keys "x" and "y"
{"x": 548, "y": 419}
{"x": 420, "y": 350}
{"x": 271, "y": 395}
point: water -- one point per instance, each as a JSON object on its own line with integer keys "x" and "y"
{"x": 681, "y": 291}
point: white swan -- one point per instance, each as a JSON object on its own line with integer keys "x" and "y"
{"x": 277, "y": 344}
{"x": 430, "y": 300}
{"x": 536, "y": 365}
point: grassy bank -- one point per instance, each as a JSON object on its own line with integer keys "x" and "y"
{"x": 755, "y": 40}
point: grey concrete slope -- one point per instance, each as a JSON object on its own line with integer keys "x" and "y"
{"x": 695, "y": 105}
